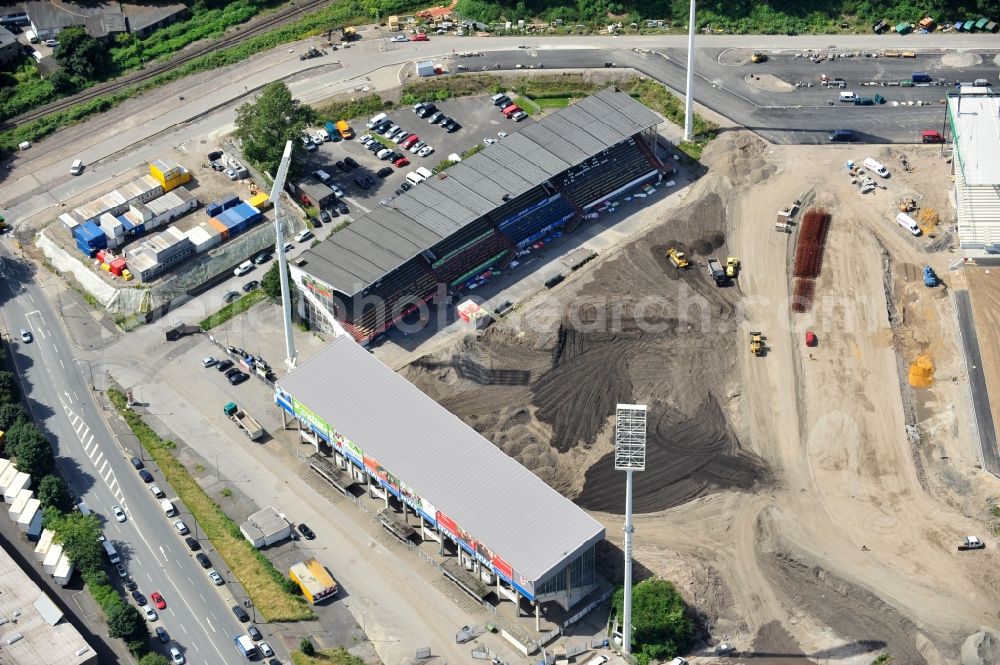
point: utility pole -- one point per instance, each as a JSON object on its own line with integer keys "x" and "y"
{"x": 689, "y": 101}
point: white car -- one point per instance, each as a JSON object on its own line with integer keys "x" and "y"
{"x": 426, "y": 150}
{"x": 502, "y": 135}
{"x": 302, "y": 236}
{"x": 149, "y": 612}
{"x": 176, "y": 656}
{"x": 288, "y": 247}
{"x": 157, "y": 492}
{"x": 415, "y": 148}
{"x": 181, "y": 527}
{"x": 216, "y": 577}
{"x": 399, "y": 138}
{"x": 337, "y": 191}
{"x": 400, "y": 38}
{"x": 25, "y": 336}
{"x": 364, "y": 138}
{"x": 383, "y": 153}
{"x": 265, "y": 649}
{"x": 489, "y": 140}
{"x": 231, "y": 174}
{"x": 208, "y": 361}
{"x": 119, "y": 513}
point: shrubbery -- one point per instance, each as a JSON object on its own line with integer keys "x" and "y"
{"x": 662, "y": 627}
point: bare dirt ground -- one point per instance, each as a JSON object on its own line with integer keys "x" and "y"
{"x": 807, "y": 502}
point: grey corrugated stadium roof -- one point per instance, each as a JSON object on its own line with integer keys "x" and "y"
{"x": 387, "y": 237}
{"x": 492, "y": 497}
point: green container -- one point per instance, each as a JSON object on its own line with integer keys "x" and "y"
{"x": 981, "y": 23}
{"x": 229, "y": 409}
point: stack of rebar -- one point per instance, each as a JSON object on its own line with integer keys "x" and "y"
{"x": 809, "y": 257}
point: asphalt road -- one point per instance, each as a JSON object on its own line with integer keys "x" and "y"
{"x": 99, "y": 472}
{"x": 977, "y": 381}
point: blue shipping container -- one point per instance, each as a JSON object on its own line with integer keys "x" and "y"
{"x": 213, "y": 209}
{"x": 229, "y": 201}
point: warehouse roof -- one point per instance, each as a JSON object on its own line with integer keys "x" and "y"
{"x": 533, "y": 527}
{"x": 975, "y": 123}
{"x": 389, "y": 236}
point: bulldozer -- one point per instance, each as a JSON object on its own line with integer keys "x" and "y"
{"x": 907, "y": 204}
{"x": 732, "y": 267}
{"x": 678, "y": 259}
{"x": 758, "y": 58}
{"x": 756, "y": 343}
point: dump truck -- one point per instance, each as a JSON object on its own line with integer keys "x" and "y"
{"x": 732, "y": 266}
{"x": 312, "y": 578}
{"x": 930, "y": 277}
{"x": 716, "y": 271}
{"x": 756, "y": 343}
{"x": 971, "y": 543}
{"x": 678, "y": 259}
{"x": 345, "y": 130}
{"x": 246, "y": 422}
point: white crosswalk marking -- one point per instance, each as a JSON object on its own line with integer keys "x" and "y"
{"x": 93, "y": 449}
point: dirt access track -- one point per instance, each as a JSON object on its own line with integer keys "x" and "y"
{"x": 808, "y": 502}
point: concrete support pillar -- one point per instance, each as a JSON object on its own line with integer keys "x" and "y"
{"x": 538, "y": 618}
{"x": 386, "y": 498}
{"x": 440, "y": 543}
{"x": 517, "y": 603}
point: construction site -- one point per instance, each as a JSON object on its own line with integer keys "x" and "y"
{"x": 812, "y": 455}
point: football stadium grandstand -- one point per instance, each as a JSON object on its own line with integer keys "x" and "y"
{"x": 475, "y": 216}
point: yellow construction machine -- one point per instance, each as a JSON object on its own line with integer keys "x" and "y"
{"x": 756, "y": 343}
{"x": 677, "y": 258}
{"x": 758, "y": 57}
{"x": 732, "y": 267}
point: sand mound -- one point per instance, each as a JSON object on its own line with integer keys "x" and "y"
{"x": 769, "y": 82}
{"x": 739, "y": 157}
{"x": 961, "y": 60}
{"x": 922, "y": 372}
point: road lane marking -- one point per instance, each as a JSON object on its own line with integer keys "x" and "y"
{"x": 103, "y": 467}
{"x": 163, "y": 553}
{"x": 61, "y": 364}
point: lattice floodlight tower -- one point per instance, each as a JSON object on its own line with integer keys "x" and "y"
{"x": 279, "y": 247}
{"x": 630, "y": 455}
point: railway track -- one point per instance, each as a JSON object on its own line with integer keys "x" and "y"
{"x": 152, "y": 71}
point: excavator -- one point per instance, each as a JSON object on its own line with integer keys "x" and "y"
{"x": 758, "y": 58}
{"x": 732, "y": 267}
{"x": 677, "y": 258}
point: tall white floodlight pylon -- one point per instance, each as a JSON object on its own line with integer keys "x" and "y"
{"x": 630, "y": 455}
{"x": 689, "y": 100}
{"x": 279, "y": 247}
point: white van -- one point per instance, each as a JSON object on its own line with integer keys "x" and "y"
{"x": 112, "y": 553}
{"x": 425, "y": 172}
{"x": 375, "y": 119}
{"x": 77, "y": 167}
{"x": 243, "y": 268}
{"x": 84, "y": 509}
{"x": 908, "y": 223}
{"x": 848, "y": 97}
{"x": 414, "y": 178}
{"x": 168, "y": 508}
{"x": 876, "y": 166}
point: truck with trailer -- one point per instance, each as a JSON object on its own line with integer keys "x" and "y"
{"x": 312, "y": 578}
{"x": 246, "y": 422}
{"x": 245, "y": 646}
{"x": 716, "y": 271}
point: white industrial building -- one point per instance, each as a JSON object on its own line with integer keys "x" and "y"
{"x": 975, "y": 126}
{"x": 266, "y": 527}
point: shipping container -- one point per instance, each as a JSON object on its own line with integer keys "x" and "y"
{"x": 316, "y": 583}
{"x": 204, "y": 237}
{"x": 220, "y": 227}
{"x": 214, "y": 209}
{"x": 117, "y": 266}
{"x": 169, "y": 173}
{"x": 7, "y": 476}
{"x": 260, "y": 201}
{"x": 30, "y": 519}
{"x": 229, "y": 200}
{"x": 63, "y": 571}
{"x": 19, "y": 503}
{"x": 44, "y": 543}
{"x": 52, "y": 558}
{"x": 21, "y": 481}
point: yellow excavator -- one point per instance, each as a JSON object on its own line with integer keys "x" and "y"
{"x": 758, "y": 58}
{"x": 756, "y": 343}
{"x": 732, "y": 267}
{"x": 677, "y": 258}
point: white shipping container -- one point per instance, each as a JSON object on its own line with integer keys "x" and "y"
{"x": 69, "y": 220}
{"x": 204, "y": 237}
{"x": 21, "y": 481}
{"x": 63, "y": 571}
{"x": 111, "y": 225}
{"x": 18, "y": 504}
{"x": 44, "y": 543}
{"x": 30, "y": 519}
{"x": 52, "y": 558}
{"x": 7, "y": 477}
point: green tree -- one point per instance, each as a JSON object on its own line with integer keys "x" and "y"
{"x": 271, "y": 281}
{"x": 153, "y": 659}
{"x": 23, "y": 433}
{"x": 33, "y": 452}
{"x": 127, "y": 623}
{"x": 10, "y": 414}
{"x": 78, "y": 534}
{"x": 266, "y": 124}
{"x": 63, "y": 81}
{"x": 306, "y": 647}
{"x": 661, "y": 624}
{"x": 9, "y": 391}
{"x": 52, "y": 491}
{"x": 81, "y": 54}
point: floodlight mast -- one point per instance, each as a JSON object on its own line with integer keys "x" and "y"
{"x": 630, "y": 455}
{"x": 689, "y": 100}
{"x": 286, "y": 301}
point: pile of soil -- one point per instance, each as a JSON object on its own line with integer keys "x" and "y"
{"x": 636, "y": 330}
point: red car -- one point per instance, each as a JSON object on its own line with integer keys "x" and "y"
{"x": 413, "y": 138}
{"x": 401, "y": 162}
{"x": 419, "y": 37}
{"x": 158, "y": 600}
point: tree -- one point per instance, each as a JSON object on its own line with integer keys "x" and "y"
{"x": 271, "y": 282}
{"x": 125, "y": 622}
{"x": 81, "y": 54}
{"x": 661, "y": 625}
{"x": 62, "y": 81}
{"x": 306, "y": 647}
{"x": 33, "y": 452}
{"x": 23, "y": 433}
{"x": 153, "y": 659}
{"x": 9, "y": 391}
{"x": 52, "y": 491}
{"x": 78, "y": 534}
{"x": 10, "y": 414}
{"x": 266, "y": 124}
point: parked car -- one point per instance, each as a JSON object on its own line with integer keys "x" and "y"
{"x": 139, "y": 599}
{"x": 176, "y": 657}
{"x": 146, "y": 476}
{"x": 408, "y": 141}
{"x": 400, "y": 38}
{"x": 452, "y": 127}
{"x": 443, "y": 120}
{"x": 384, "y": 172}
{"x": 384, "y": 153}
{"x": 375, "y": 147}
{"x": 425, "y": 151}
{"x": 519, "y": 116}
{"x": 361, "y": 182}
{"x": 254, "y": 633}
{"x": 341, "y": 166}
{"x": 157, "y": 492}
{"x": 415, "y": 147}
{"x": 224, "y": 365}
{"x": 502, "y": 135}
{"x": 250, "y": 286}
{"x": 203, "y": 560}
{"x": 342, "y": 208}
{"x": 181, "y": 527}
{"x": 207, "y": 361}
{"x": 231, "y": 174}
{"x": 434, "y": 117}
{"x": 216, "y": 578}
{"x": 489, "y": 140}
{"x": 261, "y": 259}
{"x": 428, "y": 110}
{"x": 303, "y": 235}
{"x": 192, "y": 544}
{"x": 158, "y": 600}
{"x": 401, "y": 162}
{"x": 405, "y": 186}
{"x": 324, "y": 217}
{"x": 265, "y": 649}
{"x": 399, "y": 138}
{"x": 240, "y": 613}
{"x": 161, "y": 633}
{"x": 122, "y": 571}
{"x": 119, "y": 513}
{"x": 238, "y": 378}
{"x": 136, "y": 462}
{"x": 230, "y": 297}
{"x": 306, "y": 531}
{"x": 150, "y": 613}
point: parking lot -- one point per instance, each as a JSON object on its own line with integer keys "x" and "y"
{"x": 476, "y": 115}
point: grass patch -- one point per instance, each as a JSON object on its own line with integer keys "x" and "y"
{"x": 368, "y": 105}
{"x": 232, "y": 309}
{"x": 551, "y": 102}
{"x": 383, "y": 140}
{"x": 338, "y": 656}
{"x": 528, "y": 106}
{"x": 340, "y": 227}
{"x": 268, "y": 588}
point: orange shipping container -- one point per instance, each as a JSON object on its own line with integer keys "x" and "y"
{"x": 220, "y": 227}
